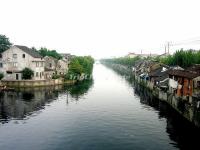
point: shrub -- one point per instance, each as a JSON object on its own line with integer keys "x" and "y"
{"x": 55, "y": 76}
{"x": 1, "y": 76}
{"x": 27, "y": 73}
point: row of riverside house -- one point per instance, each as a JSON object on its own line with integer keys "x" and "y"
{"x": 171, "y": 81}
{"x": 16, "y": 58}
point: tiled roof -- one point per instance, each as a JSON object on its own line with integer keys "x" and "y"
{"x": 183, "y": 73}
{"x": 29, "y": 51}
{"x": 195, "y": 68}
{"x": 159, "y": 71}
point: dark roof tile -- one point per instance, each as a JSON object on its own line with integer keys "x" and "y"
{"x": 183, "y": 73}
{"x": 29, "y": 51}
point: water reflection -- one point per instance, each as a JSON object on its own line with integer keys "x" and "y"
{"x": 20, "y": 104}
{"x": 80, "y": 89}
{"x": 184, "y": 134}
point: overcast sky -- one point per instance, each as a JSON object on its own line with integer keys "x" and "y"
{"x": 101, "y": 28}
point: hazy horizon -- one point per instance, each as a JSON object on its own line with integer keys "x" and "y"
{"x": 108, "y": 28}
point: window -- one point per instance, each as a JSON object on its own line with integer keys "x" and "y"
{"x": 1, "y": 65}
{"x": 37, "y": 74}
{"x": 14, "y": 55}
{"x": 14, "y": 64}
{"x": 41, "y": 65}
{"x": 50, "y": 65}
{"x": 0, "y": 55}
{"x": 37, "y": 64}
{"x": 23, "y": 55}
{"x": 198, "y": 84}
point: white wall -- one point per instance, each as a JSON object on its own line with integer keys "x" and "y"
{"x": 19, "y": 63}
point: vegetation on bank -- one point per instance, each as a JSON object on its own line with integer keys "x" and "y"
{"x": 4, "y": 43}
{"x": 183, "y": 58}
{"x": 126, "y": 61}
{"x": 80, "y": 65}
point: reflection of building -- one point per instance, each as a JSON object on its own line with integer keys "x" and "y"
{"x": 16, "y": 58}
{"x": 26, "y": 101}
{"x": 22, "y": 103}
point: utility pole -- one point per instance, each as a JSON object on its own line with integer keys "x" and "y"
{"x": 168, "y": 47}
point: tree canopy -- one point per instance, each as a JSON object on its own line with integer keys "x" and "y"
{"x": 183, "y": 58}
{"x": 122, "y": 60}
{"x": 81, "y": 65}
{"x": 4, "y": 43}
{"x": 46, "y": 52}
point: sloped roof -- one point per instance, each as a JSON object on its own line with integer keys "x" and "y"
{"x": 50, "y": 57}
{"x": 29, "y": 51}
{"x": 184, "y": 73}
{"x": 195, "y": 68}
{"x": 159, "y": 72}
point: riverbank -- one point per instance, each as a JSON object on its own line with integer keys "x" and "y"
{"x": 187, "y": 108}
{"x": 35, "y": 83}
{"x": 106, "y": 113}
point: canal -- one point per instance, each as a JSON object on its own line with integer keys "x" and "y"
{"x": 104, "y": 113}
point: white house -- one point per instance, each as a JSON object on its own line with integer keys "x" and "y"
{"x": 62, "y": 67}
{"x": 16, "y": 58}
{"x": 50, "y": 66}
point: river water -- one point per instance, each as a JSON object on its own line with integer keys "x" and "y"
{"x": 105, "y": 113}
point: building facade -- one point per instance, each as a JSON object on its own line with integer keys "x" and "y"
{"x": 50, "y": 66}
{"x": 62, "y": 67}
{"x": 16, "y": 58}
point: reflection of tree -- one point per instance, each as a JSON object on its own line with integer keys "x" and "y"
{"x": 124, "y": 72}
{"x": 80, "y": 89}
{"x": 182, "y": 132}
{"x": 24, "y": 102}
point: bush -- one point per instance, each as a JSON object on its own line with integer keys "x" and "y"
{"x": 1, "y": 76}
{"x": 27, "y": 73}
{"x": 55, "y": 76}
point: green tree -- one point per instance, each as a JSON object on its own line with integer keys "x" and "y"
{"x": 4, "y": 43}
{"x": 1, "y": 76}
{"x": 27, "y": 73}
{"x": 80, "y": 65}
{"x": 46, "y": 52}
{"x": 183, "y": 58}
